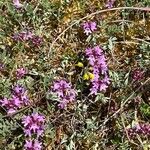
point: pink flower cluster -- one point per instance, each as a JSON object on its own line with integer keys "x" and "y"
{"x": 19, "y": 99}
{"x": 137, "y": 75}
{"x": 17, "y": 4}
{"x": 89, "y": 27}
{"x": 23, "y": 36}
{"x": 64, "y": 92}
{"x": 33, "y": 126}
{"x": 28, "y": 36}
{"x": 97, "y": 60}
{"x": 141, "y": 128}
{"x": 20, "y": 72}
{"x": 33, "y": 145}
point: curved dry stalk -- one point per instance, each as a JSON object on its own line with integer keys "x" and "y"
{"x": 140, "y": 40}
{"x": 92, "y": 14}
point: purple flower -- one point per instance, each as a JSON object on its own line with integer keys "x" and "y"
{"x": 36, "y": 40}
{"x": 94, "y": 88}
{"x": 17, "y": 4}
{"x": 11, "y": 111}
{"x": 11, "y": 104}
{"x": 89, "y": 27}
{"x": 18, "y": 99}
{"x": 137, "y": 75}
{"x": 18, "y": 90}
{"x": 20, "y": 72}
{"x": 37, "y": 145}
{"x": 103, "y": 86}
{"x": 64, "y": 92}
{"x": 61, "y": 85}
{"x": 23, "y": 36}
{"x": 95, "y": 51}
{"x": 141, "y": 128}
{"x": 33, "y": 145}
{"x": 110, "y": 3}
{"x": 97, "y": 86}
{"x": 28, "y": 36}
{"x": 33, "y": 124}
{"x": 98, "y": 61}
{"x": 24, "y": 98}
{"x": 95, "y": 56}
{"x": 29, "y": 145}
{"x": 4, "y": 102}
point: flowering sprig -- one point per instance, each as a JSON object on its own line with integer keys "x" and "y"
{"x": 137, "y": 75}
{"x": 110, "y": 3}
{"x": 17, "y": 4}
{"x": 89, "y": 27}
{"x": 20, "y": 92}
{"x": 18, "y": 100}
{"x": 64, "y": 92}
{"x": 28, "y": 36}
{"x": 97, "y": 60}
{"x": 141, "y": 128}
{"x": 33, "y": 145}
{"x": 23, "y": 36}
{"x": 34, "y": 124}
{"x": 20, "y": 72}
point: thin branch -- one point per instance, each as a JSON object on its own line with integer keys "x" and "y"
{"x": 141, "y": 40}
{"x": 123, "y": 104}
{"x": 92, "y": 14}
{"x": 12, "y": 118}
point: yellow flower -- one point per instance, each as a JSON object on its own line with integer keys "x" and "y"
{"x": 91, "y": 75}
{"x": 85, "y": 76}
{"x": 80, "y": 64}
{"x": 88, "y": 76}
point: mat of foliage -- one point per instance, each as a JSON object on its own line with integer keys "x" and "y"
{"x": 74, "y": 75}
